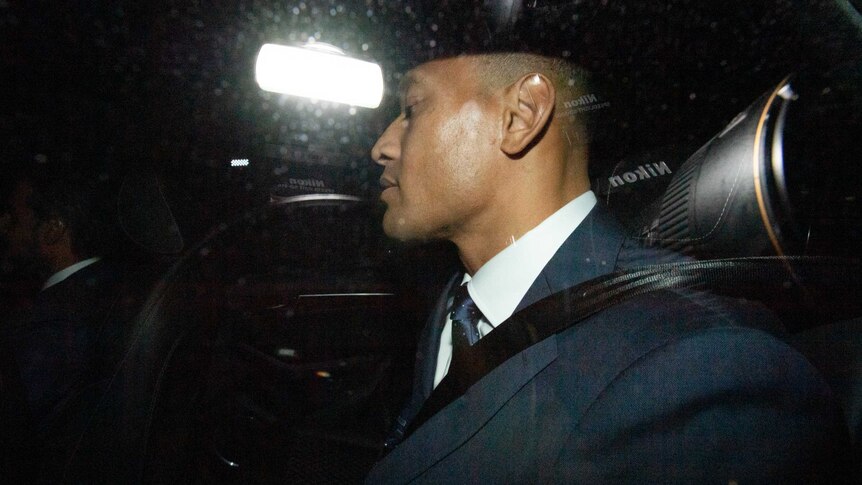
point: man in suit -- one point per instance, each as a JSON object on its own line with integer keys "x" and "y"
{"x": 672, "y": 386}
{"x": 54, "y": 230}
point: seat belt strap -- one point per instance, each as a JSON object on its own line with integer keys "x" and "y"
{"x": 835, "y": 284}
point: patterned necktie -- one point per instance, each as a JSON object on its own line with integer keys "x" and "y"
{"x": 465, "y": 318}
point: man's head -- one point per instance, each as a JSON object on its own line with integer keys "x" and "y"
{"x": 48, "y": 221}
{"x": 483, "y": 145}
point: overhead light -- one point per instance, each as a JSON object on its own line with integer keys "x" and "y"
{"x": 319, "y": 71}
{"x": 239, "y": 162}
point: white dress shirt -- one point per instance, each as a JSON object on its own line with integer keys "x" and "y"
{"x": 501, "y": 283}
{"x": 68, "y": 271}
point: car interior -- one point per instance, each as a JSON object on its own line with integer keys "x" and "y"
{"x": 265, "y": 327}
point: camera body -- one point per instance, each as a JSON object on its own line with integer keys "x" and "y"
{"x": 782, "y": 178}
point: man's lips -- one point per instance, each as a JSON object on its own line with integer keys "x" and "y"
{"x": 387, "y": 183}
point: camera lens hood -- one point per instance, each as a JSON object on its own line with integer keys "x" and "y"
{"x": 783, "y": 178}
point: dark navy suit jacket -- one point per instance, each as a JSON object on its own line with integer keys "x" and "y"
{"x": 55, "y": 348}
{"x": 672, "y": 386}
{"x": 58, "y": 357}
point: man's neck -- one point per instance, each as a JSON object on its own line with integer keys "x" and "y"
{"x": 486, "y": 239}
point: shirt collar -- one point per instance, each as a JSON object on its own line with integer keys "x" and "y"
{"x": 501, "y": 283}
{"x": 68, "y": 271}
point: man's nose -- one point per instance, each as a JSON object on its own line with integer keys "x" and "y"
{"x": 388, "y": 146}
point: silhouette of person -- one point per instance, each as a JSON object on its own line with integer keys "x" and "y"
{"x": 52, "y": 229}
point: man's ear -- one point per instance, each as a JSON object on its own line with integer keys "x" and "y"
{"x": 529, "y": 104}
{"x": 50, "y": 231}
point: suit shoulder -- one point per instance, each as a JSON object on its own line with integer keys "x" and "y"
{"x": 653, "y": 319}
{"x": 699, "y": 385}
{"x": 670, "y": 347}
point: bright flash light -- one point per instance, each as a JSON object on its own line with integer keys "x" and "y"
{"x": 239, "y": 162}
{"x": 318, "y": 71}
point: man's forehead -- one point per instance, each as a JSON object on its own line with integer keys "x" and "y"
{"x": 411, "y": 79}
{"x": 430, "y": 72}
{"x": 420, "y": 75}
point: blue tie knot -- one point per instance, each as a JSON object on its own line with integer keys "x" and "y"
{"x": 465, "y": 316}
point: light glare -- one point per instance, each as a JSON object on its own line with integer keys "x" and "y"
{"x": 285, "y": 352}
{"x": 239, "y": 162}
{"x": 316, "y": 74}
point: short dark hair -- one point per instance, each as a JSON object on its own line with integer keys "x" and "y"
{"x": 572, "y": 83}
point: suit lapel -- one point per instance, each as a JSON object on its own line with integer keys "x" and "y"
{"x": 430, "y": 341}
{"x": 508, "y": 339}
{"x": 590, "y": 251}
{"x": 426, "y": 365}
{"x": 461, "y": 418}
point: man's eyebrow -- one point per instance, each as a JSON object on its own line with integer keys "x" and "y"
{"x": 409, "y": 79}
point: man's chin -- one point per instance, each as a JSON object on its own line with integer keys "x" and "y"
{"x": 395, "y": 231}
{"x": 397, "y": 227}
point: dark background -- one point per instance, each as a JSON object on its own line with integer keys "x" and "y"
{"x": 111, "y": 88}
{"x": 129, "y": 88}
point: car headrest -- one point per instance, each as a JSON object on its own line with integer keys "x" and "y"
{"x": 145, "y": 216}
